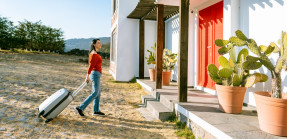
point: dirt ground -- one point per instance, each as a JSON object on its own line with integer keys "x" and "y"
{"x": 26, "y": 80}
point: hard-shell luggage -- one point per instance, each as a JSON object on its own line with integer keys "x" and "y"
{"x": 57, "y": 102}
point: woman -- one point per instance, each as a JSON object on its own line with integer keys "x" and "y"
{"x": 94, "y": 74}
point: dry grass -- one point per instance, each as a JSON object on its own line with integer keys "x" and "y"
{"x": 26, "y": 80}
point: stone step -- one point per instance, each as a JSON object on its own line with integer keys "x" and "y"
{"x": 167, "y": 101}
{"x": 146, "y": 98}
{"x": 147, "y": 87}
{"x": 158, "y": 110}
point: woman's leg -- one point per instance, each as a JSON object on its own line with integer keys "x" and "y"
{"x": 95, "y": 78}
{"x": 97, "y": 100}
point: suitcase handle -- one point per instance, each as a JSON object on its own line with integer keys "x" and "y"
{"x": 79, "y": 89}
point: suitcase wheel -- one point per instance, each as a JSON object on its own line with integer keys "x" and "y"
{"x": 48, "y": 120}
{"x": 41, "y": 113}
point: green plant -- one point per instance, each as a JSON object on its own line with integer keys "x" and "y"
{"x": 172, "y": 118}
{"x": 262, "y": 52}
{"x": 235, "y": 70}
{"x": 168, "y": 60}
{"x": 133, "y": 80}
{"x": 182, "y": 129}
{"x": 152, "y": 57}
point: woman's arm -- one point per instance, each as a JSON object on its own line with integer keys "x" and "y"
{"x": 92, "y": 63}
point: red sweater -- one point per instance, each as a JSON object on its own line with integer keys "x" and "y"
{"x": 95, "y": 63}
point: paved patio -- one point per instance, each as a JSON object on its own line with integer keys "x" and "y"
{"x": 203, "y": 116}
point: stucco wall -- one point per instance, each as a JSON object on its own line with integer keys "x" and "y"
{"x": 127, "y": 42}
{"x": 150, "y": 40}
{"x": 172, "y": 40}
{"x": 263, "y": 21}
{"x": 192, "y": 48}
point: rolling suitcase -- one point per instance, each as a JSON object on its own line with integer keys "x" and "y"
{"x": 57, "y": 102}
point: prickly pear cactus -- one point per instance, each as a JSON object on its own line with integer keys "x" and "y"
{"x": 262, "y": 53}
{"x": 235, "y": 70}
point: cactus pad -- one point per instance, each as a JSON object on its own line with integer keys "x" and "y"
{"x": 215, "y": 79}
{"x": 254, "y": 48}
{"x": 244, "y": 52}
{"x": 266, "y": 62}
{"x": 240, "y": 35}
{"x": 254, "y": 78}
{"x": 223, "y": 51}
{"x": 264, "y": 77}
{"x": 224, "y": 62}
{"x": 213, "y": 73}
{"x": 212, "y": 70}
{"x": 250, "y": 81}
{"x": 236, "y": 41}
{"x": 225, "y": 73}
{"x": 232, "y": 54}
{"x": 269, "y": 50}
{"x": 247, "y": 65}
{"x": 252, "y": 58}
{"x": 263, "y": 48}
{"x": 236, "y": 80}
{"x": 220, "y": 42}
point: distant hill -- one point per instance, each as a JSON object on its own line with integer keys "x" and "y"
{"x": 84, "y": 44}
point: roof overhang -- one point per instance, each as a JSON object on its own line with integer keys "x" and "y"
{"x": 147, "y": 9}
{"x": 168, "y": 2}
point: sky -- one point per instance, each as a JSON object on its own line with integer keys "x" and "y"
{"x": 76, "y": 18}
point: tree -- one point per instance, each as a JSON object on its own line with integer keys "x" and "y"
{"x": 36, "y": 36}
{"x": 6, "y": 33}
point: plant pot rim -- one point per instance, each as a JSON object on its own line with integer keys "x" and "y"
{"x": 230, "y": 86}
{"x": 262, "y": 94}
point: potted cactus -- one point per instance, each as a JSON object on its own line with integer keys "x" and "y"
{"x": 271, "y": 106}
{"x": 233, "y": 77}
{"x": 151, "y": 60}
{"x": 169, "y": 60}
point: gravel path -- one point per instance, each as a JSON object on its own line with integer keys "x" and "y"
{"x": 26, "y": 80}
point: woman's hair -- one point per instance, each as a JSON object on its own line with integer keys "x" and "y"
{"x": 94, "y": 41}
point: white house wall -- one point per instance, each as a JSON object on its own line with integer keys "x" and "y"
{"x": 263, "y": 21}
{"x": 192, "y": 48}
{"x": 150, "y": 40}
{"x": 172, "y": 40}
{"x": 128, "y": 42}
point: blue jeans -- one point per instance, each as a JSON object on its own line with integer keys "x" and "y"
{"x": 95, "y": 77}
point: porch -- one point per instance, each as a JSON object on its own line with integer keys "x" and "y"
{"x": 201, "y": 113}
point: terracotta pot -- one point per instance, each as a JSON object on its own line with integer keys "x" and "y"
{"x": 152, "y": 74}
{"x": 272, "y": 113}
{"x": 166, "y": 77}
{"x": 230, "y": 98}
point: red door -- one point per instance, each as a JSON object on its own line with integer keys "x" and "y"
{"x": 210, "y": 28}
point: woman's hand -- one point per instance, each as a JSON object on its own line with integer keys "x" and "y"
{"x": 87, "y": 78}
